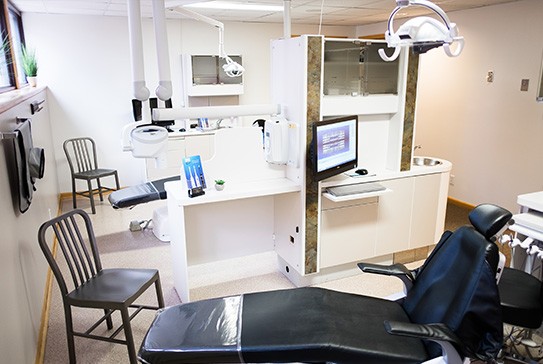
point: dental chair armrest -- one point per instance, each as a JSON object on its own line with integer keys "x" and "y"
{"x": 451, "y": 345}
{"x": 397, "y": 270}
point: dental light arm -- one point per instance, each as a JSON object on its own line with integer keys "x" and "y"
{"x": 423, "y": 33}
{"x": 231, "y": 68}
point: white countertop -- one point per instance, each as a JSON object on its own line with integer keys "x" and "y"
{"x": 532, "y": 200}
{"x": 232, "y": 191}
{"x": 383, "y": 175}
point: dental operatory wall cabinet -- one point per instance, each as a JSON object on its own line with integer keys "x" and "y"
{"x": 356, "y": 80}
{"x": 318, "y": 237}
{"x": 409, "y": 216}
{"x": 203, "y": 75}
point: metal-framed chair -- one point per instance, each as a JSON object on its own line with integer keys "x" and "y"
{"x": 81, "y": 155}
{"x": 84, "y": 283}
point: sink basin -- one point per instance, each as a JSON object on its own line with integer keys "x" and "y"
{"x": 425, "y": 161}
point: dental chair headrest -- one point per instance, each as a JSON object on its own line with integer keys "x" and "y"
{"x": 489, "y": 219}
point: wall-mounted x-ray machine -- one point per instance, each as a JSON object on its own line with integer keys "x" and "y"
{"x": 142, "y": 138}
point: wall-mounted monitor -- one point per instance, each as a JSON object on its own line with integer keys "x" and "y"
{"x": 334, "y": 148}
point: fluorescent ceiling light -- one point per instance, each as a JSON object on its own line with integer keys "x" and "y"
{"x": 224, "y": 5}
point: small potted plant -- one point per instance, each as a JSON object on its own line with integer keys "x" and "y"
{"x": 219, "y": 184}
{"x": 30, "y": 65}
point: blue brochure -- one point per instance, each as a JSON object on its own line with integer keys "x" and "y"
{"x": 194, "y": 172}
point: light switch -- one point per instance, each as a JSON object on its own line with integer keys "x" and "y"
{"x": 524, "y": 84}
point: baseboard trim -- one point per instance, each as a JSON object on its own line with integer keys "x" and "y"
{"x": 46, "y": 306}
{"x": 68, "y": 195}
{"x": 459, "y": 203}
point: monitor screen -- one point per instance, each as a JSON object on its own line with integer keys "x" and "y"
{"x": 334, "y": 146}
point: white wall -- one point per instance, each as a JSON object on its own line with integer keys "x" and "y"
{"x": 491, "y": 132}
{"x": 84, "y": 61}
{"x": 22, "y": 266}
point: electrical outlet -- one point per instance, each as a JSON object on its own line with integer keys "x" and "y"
{"x": 524, "y": 84}
{"x": 451, "y": 180}
{"x": 490, "y": 76}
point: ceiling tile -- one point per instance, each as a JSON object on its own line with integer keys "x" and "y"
{"x": 344, "y": 12}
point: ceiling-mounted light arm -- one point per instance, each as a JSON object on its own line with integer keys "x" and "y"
{"x": 423, "y": 32}
{"x": 231, "y": 68}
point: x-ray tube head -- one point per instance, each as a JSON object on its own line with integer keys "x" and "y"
{"x": 422, "y": 33}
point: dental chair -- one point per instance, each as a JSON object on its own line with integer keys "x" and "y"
{"x": 451, "y": 312}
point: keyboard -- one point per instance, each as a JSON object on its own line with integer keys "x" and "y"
{"x": 355, "y": 189}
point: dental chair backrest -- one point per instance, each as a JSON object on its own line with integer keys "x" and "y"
{"x": 456, "y": 286}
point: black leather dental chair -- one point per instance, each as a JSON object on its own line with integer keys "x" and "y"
{"x": 451, "y": 312}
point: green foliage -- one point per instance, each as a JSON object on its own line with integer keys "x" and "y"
{"x": 5, "y": 45}
{"x": 29, "y": 62}
{"x": 219, "y": 182}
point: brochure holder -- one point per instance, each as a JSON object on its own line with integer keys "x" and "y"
{"x": 194, "y": 175}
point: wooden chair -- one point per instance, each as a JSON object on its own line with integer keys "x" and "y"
{"x": 81, "y": 155}
{"x": 84, "y": 283}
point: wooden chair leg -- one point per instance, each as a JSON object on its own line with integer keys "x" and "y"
{"x": 128, "y": 336}
{"x": 91, "y": 197}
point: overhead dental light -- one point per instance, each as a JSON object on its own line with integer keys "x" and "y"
{"x": 231, "y": 68}
{"x": 422, "y": 33}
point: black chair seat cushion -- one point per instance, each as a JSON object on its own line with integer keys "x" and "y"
{"x": 304, "y": 324}
{"x": 95, "y": 173}
{"x": 521, "y": 301}
{"x": 113, "y": 286}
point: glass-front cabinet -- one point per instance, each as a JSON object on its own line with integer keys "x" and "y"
{"x": 353, "y": 69}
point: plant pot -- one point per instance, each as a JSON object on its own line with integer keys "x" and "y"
{"x": 219, "y": 187}
{"x": 32, "y": 80}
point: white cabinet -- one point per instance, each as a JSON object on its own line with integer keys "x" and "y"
{"x": 409, "y": 216}
{"x": 177, "y": 149}
{"x": 347, "y": 231}
{"x": 394, "y": 223}
{"x": 203, "y": 75}
{"x": 426, "y": 198}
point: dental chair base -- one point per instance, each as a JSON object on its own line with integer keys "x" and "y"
{"x": 453, "y": 301}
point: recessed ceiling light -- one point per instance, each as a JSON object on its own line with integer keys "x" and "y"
{"x": 234, "y": 6}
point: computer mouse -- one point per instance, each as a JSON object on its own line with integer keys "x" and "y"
{"x": 361, "y": 171}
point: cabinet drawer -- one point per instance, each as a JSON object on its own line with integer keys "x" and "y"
{"x": 348, "y": 234}
{"x": 330, "y": 205}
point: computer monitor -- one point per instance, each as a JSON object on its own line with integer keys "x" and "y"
{"x": 334, "y": 148}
